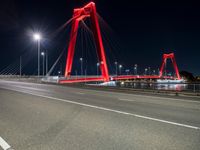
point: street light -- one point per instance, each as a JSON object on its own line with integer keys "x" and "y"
{"x": 98, "y": 68}
{"x": 116, "y": 67}
{"x": 145, "y": 71}
{"x": 81, "y": 60}
{"x": 154, "y": 72}
{"x": 135, "y": 69}
{"x": 120, "y": 68}
{"x": 149, "y": 68}
{"x": 20, "y": 66}
{"x": 37, "y": 37}
{"x": 43, "y": 56}
{"x": 59, "y": 73}
{"x": 127, "y": 71}
{"x": 46, "y": 62}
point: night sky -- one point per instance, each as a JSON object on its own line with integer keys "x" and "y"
{"x": 143, "y": 30}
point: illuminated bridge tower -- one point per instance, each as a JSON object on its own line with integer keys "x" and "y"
{"x": 88, "y": 11}
{"x": 172, "y": 57}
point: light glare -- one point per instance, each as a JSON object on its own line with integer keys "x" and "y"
{"x": 37, "y": 36}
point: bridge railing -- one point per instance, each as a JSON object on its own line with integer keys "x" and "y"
{"x": 184, "y": 87}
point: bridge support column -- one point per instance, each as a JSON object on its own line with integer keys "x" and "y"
{"x": 164, "y": 60}
{"x": 80, "y": 14}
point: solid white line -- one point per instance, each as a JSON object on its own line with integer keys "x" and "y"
{"x": 109, "y": 92}
{"x": 167, "y": 98}
{"x": 4, "y": 144}
{"x": 112, "y": 110}
{"x": 30, "y": 88}
{"x": 99, "y": 93}
{"x": 124, "y": 99}
{"x": 80, "y": 93}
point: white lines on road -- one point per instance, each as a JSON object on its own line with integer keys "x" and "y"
{"x": 80, "y": 93}
{"x": 30, "y": 88}
{"x": 4, "y": 144}
{"x": 124, "y": 99}
{"x": 112, "y": 110}
{"x": 171, "y": 99}
{"x": 108, "y": 93}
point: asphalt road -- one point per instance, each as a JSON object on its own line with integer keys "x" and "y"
{"x": 51, "y": 117}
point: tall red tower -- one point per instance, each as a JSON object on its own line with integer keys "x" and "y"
{"x": 172, "y": 57}
{"x": 88, "y": 11}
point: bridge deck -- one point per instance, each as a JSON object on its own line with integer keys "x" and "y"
{"x": 113, "y": 78}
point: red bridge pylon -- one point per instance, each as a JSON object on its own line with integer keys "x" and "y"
{"x": 164, "y": 60}
{"x": 88, "y": 11}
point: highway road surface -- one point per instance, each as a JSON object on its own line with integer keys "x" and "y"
{"x": 51, "y": 117}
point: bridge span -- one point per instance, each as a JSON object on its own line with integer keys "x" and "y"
{"x": 89, "y": 11}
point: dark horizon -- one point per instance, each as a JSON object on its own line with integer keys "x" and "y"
{"x": 144, "y": 31}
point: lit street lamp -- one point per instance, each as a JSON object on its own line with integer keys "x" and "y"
{"x": 116, "y": 68}
{"x": 149, "y": 68}
{"x": 59, "y": 73}
{"x": 98, "y": 68}
{"x": 145, "y": 71}
{"x": 127, "y": 71}
{"x": 43, "y": 56}
{"x": 37, "y": 37}
{"x": 154, "y": 72}
{"x": 135, "y": 69}
{"x": 46, "y": 62}
{"x": 81, "y": 60}
{"x": 120, "y": 69}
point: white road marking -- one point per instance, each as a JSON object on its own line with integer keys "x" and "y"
{"x": 124, "y": 99}
{"x": 109, "y": 92}
{"x": 110, "y": 110}
{"x": 147, "y": 96}
{"x": 80, "y": 93}
{"x": 31, "y": 88}
{"x": 4, "y": 144}
{"x": 172, "y": 99}
{"x": 97, "y": 93}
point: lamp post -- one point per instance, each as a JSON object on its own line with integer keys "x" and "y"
{"x": 145, "y": 71}
{"x": 37, "y": 37}
{"x": 46, "y": 62}
{"x": 20, "y": 66}
{"x": 59, "y": 73}
{"x": 43, "y": 56}
{"x": 81, "y": 60}
{"x": 149, "y": 68}
{"x": 98, "y": 68}
{"x": 154, "y": 72}
{"x": 120, "y": 69}
{"x": 135, "y": 69}
{"x": 116, "y": 67}
{"x": 127, "y": 71}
